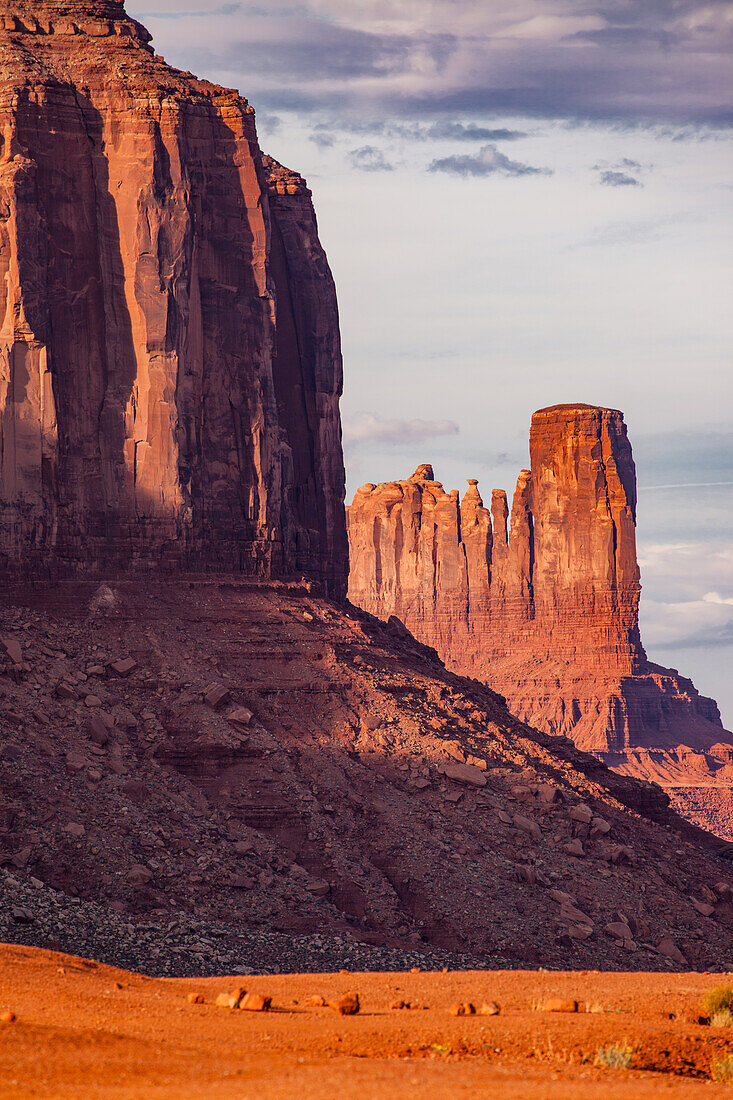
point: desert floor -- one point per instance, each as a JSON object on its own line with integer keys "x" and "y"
{"x": 84, "y": 1030}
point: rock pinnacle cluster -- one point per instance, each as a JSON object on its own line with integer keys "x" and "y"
{"x": 543, "y": 606}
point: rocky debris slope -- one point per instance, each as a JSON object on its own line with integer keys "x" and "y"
{"x": 544, "y": 609}
{"x": 170, "y": 364}
{"x": 250, "y": 756}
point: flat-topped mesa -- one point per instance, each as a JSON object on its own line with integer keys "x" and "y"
{"x": 170, "y": 363}
{"x": 96, "y": 18}
{"x": 92, "y": 9}
{"x": 544, "y": 607}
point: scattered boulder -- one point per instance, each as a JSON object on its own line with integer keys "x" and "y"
{"x": 255, "y": 1002}
{"x": 315, "y": 1001}
{"x": 571, "y": 914}
{"x": 216, "y": 695}
{"x": 547, "y": 793}
{"x": 490, "y": 1008}
{"x": 348, "y": 1005}
{"x": 240, "y": 718}
{"x": 464, "y": 773}
{"x": 97, "y": 730}
{"x": 124, "y": 667}
{"x": 195, "y": 999}
{"x": 575, "y": 848}
{"x": 581, "y": 813}
{"x": 670, "y": 950}
{"x": 232, "y": 999}
{"x": 477, "y": 762}
{"x": 526, "y": 825}
{"x": 13, "y": 649}
{"x": 466, "y": 1009}
{"x": 599, "y": 827}
{"x": 558, "y": 1004}
{"x": 139, "y": 875}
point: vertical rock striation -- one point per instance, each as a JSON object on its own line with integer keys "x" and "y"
{"x": 543, "y": 608}
{"x": 170, "y": 367}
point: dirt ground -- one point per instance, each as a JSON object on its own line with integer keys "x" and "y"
{"x": 84, "y": 1030}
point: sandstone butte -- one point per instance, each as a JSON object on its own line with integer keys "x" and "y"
{"x": 214, "y": 768}
{"x": 545, "y": 608}
{"x": 170, "y": 366}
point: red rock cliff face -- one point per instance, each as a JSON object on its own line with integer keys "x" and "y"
{"x": 544, "y": 609}
{"x": 169, "y": 313}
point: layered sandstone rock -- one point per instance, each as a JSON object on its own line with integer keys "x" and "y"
{"x": 170, "y": 367}
{"x": 543, "y": 609}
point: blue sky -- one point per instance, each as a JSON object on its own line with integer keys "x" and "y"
{"x": 523, "y": 202}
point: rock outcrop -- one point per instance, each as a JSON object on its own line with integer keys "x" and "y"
{"x": 544, "y": 609}
{"x": 170, "y": 366}
{"x": 222, "y": 763}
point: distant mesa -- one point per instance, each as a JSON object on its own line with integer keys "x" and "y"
{"x": 543, "y": 606}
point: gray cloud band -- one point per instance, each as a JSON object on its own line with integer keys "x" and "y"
{"x": 632, "y": 62}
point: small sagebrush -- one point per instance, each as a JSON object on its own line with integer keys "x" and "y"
{"x": 718, "y": 1000}
{"x": 615, "y": 1057}
{"x": 722, "y": 1018}
{"x": 721, "y": 1070}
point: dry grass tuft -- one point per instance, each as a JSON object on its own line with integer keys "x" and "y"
{"x": 615, "y": 1056}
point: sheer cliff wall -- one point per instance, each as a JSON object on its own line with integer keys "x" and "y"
{"x": 170, "y": 365}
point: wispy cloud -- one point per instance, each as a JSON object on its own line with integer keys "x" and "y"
{"x": 449, "y": 130}
{"x": 365, "y": 428}
{"x": 624, "y": 173}
{"x": 369, "y": 159}
{"x": 612, "y": 178}
{"x": 489, "y": 161}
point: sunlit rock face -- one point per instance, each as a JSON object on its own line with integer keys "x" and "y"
{"x": 170, "y": 364}
{"x": 543, "y": 605}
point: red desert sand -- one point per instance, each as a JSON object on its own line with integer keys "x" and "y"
{"x": 76, "y": 1029}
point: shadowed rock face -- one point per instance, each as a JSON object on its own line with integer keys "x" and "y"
{"x": 544, "y": 608}
{"x": 170, "y": 365}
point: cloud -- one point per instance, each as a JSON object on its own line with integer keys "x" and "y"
{"x": 692, "y": 624}
{"x": 368, "y": 428}
{"x": 632, "y": 61}
{"x": 715, "y": 597}
{"x": 369, "y": 159}
{"x": 624, "y": 173}
{"x": 611, "y": 178}
{"x": 322, "y": 139}
{"x": 680, "y": 609}
{"x": 447, "y": 130}
{"x": 489, "y": 161}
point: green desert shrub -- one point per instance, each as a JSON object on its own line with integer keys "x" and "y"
{"x": 722, "y": 1070}
{"x": 717, "y": 1000}
{"x": 615, "y": 1057}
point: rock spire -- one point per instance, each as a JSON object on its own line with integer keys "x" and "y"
{"x": 543, "y": 606}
